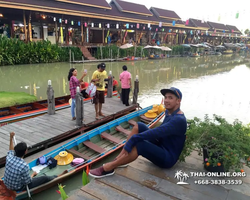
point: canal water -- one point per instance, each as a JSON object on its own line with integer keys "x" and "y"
{"x": 210, "y": 85}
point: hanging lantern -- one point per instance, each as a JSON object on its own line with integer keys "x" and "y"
{"x": 60, "y": 20}
{"x": 173, "y": 23}
{"x": 108, "y": 26}
{"x": 169, "y": 30}
{"x": 148, "y": 25}
{"x": 191, "y": 32}
{"x": 92, "y": 25}
{"x": 187, "y": 22}
{"x": 54, "y": 19}
{"x": 132, "y": 26}
{"x": 223, "y": 31}
{"x": 163, "y": 30}
{"x": 156, "y": 29}
{"x": 127, "y": 25}
{"x": 143, "y": 27}
{"x": 137, "y": 25}
{"x": 79, "y": 23}
{"x": 66, "y": 21}
{"x": 232, "y": 30}
{"x": 72, "y": 23}
{"x": 160, "y": 24}
{"x": 85, "y": 24}
{"x": 100, "y": 25}
{"x": 117, "y": 26}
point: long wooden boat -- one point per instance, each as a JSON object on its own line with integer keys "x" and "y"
{"x": 29, "y": 110}
{"x": 92, "y": 147}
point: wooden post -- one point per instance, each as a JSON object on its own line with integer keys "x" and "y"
{"x": 50, "y": 99}
{"x": 56, "y": 32}
{"x": 79, "y": 107}
{"x": 30, "y": 28}
{"x": 110, "y": 85}
{"x": 149, "y": 37}
{"x": 136, "y": 89}
{"x": 67, "y": 34}
{"x": 82, "y": 33}
{"x": 121, "y": 33}
{"x": 24, "y": 25}
{"x": 103, "y": 31}
{"x": 70, "y": 55}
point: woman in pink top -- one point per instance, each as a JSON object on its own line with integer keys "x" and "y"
{"x": 125, "y": 78}
{"x": 73, "y": 83}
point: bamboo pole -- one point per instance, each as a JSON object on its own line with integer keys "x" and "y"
{"x": 56, "y": 33}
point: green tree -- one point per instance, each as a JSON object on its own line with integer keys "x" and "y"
{"x": 247, "y": 32}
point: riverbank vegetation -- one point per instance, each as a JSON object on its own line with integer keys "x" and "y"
{"x": 15, "y": 51}
{"x": 15, "y": 98}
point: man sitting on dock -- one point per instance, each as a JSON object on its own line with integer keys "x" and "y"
{"x": 17, "y": 172}
{"x": 161, "y": 145}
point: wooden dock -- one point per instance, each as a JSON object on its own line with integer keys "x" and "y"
{"x": 143, "y": 180}
{"x": 44, "y": 131}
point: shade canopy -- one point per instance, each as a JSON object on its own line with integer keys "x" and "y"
{"x": 126, "y": 46}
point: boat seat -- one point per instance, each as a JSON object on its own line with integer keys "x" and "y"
{"x": 111, "y": 138}
{"x": 94, "y": 147}
{"x": 132, "y": 122}
{"x": 122, "y": 130}
{"x": 78, "y": 154}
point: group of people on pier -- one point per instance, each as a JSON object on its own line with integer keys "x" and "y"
{"x": 99, "y": 79}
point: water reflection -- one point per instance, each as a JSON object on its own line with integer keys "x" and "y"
{"x": 208, "y": 83}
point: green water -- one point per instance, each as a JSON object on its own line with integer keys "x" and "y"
{"x": 214, "y": 84}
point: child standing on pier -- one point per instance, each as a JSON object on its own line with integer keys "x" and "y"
{"x": 73, "y": 84}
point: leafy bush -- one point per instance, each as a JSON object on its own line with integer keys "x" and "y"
{"x": 227, "y": 144}
{"x": 15, "y": 51}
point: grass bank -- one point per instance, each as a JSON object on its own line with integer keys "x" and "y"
{"x": 15, "y": 98}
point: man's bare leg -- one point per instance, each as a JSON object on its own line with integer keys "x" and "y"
{"x": 96, "y": 111}
{"x": 134, "y": 131}
{"x": 122, "y": 160}
{"x": 100, "y": 110}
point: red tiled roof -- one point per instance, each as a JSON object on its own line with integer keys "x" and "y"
{"x": 198, "y": 23}
{"x": 91, "y": 3}
{"x": 161, "y": 13}
{"x": 218, "y": 26}
{"x": 230, "y": 27}
{"x": 132, "y": 8}
{"x": 76, "y": 11}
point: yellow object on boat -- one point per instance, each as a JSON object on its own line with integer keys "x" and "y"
{"x": 150, "y": 114}
{"x": 160, "y": 109}
{"x": 64, "y": 158}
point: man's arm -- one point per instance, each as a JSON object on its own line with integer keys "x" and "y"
{"x": 12, "y": 134}
{"x": 170, "y": 128}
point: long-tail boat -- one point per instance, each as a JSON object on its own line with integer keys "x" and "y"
{"x": 92, "y": 147}
{"x": 29, "y": 110}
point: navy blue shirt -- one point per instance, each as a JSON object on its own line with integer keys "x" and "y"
{"x": 171, "y": 135}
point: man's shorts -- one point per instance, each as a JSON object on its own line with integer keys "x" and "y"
{"x": 99, "y": 97}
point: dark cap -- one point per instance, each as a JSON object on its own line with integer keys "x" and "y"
{"x": 102, "y": 66}
{"x": 172, "y": 90}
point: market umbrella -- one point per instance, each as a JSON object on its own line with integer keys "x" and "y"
{"x": 126, "y": 46}
{"x": 166, "y": 49}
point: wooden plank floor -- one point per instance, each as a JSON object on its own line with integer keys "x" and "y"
{"x": 44, "y": 128}
{"x": 143, "y": 180}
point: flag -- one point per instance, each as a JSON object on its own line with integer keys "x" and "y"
{"x": 237, "y": 15}
{"x": 173, "y": 23}
{"x": 219, "y": 18}
{"x": 187, "y": 22}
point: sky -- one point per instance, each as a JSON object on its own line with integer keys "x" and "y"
{"x": 207, "y": 10}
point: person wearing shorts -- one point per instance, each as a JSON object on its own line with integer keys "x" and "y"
{"x": 99, "y": 77}
{"x": 161, "y": 145}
